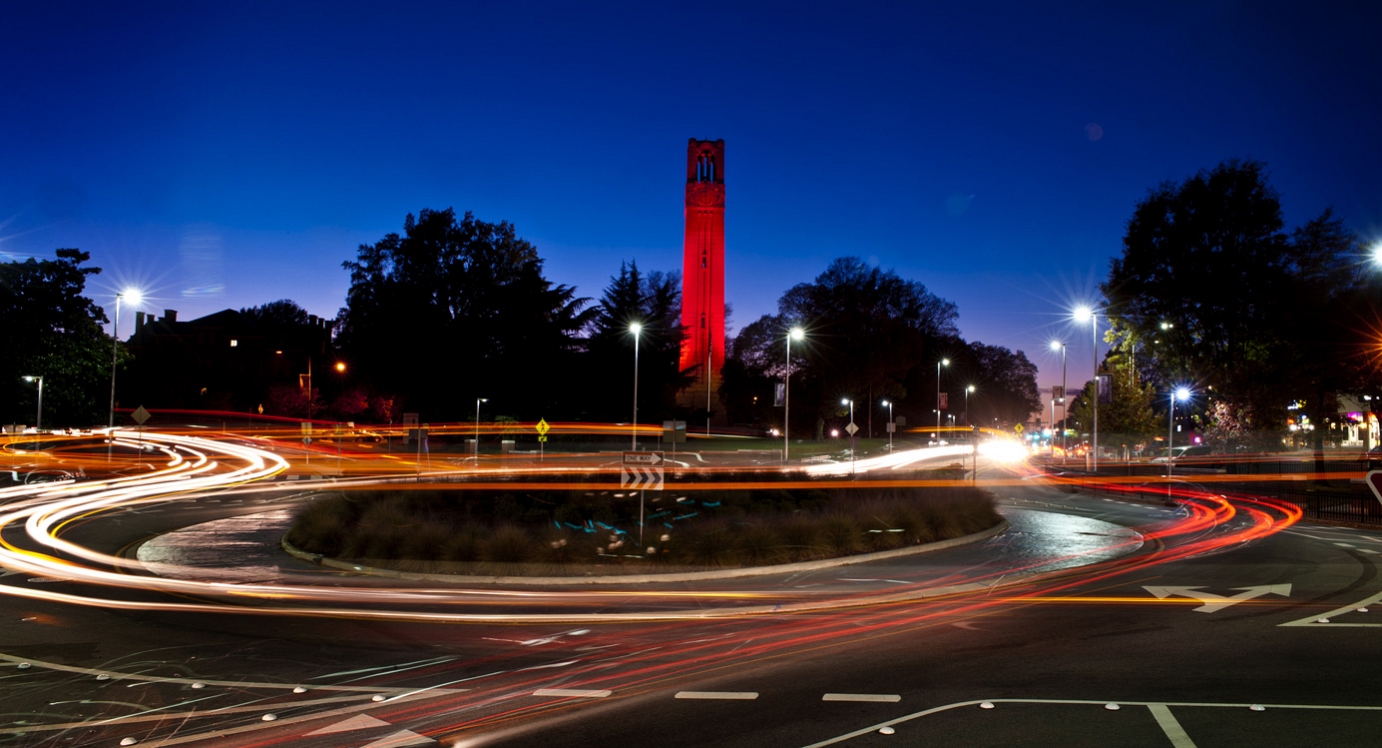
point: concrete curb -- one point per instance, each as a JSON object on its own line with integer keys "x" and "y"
{"x": 694, "y": 576}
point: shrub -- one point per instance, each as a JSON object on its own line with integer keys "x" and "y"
{"x": 508, "y": 544}
{"x": 759, "y": 545}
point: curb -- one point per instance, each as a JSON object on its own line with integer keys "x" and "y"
{"x": 693, "y": 576}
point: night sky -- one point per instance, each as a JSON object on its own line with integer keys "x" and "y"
{"x": 993, "y": 151}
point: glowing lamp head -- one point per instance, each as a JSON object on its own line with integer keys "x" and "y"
{"x": 132, "y": 295}
{"x": 945, "y": 362}
{"x": 340, "y": 366}
{"x": 797, "y": 333}
{"x": 1056, "y": 345}
{"x": 969, "y": 388}
{"x": 635, "y": 328}
{"x": 845, "y": 401}
{"x": 31, "y": 378}
{"x": 1377, "y": 253}
{"x": 1083, "y": 313}
{"x": 1182, "y": 393}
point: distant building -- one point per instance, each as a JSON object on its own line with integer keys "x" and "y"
{"x": 703, "y": 274}
{"x": 223, "y": 361}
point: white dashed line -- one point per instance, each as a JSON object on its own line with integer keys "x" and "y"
{"x": 881, "y": 697}
{"x": 731, "y": 695}
{"x": 578, "y": 693}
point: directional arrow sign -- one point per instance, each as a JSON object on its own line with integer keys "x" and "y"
{"x": 1213, "y": 602}
{"x": 644, "y": 478}
{"x": 1374, "y": 481}
{"x": 642, "y": 458}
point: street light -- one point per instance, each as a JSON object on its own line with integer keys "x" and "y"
{"x": 135, "y": 297}
{"x": 796, "y": 333}
{"x": 891, "y": 427}
{"x": 1064, "y": 404}
{"x": 1183, "y": 393}
{"x": 968, "y": 390}
{"x": 939, "y": 364}
{"x": 1081, "y": 314}
{"x": 38, "y": 425}
{"x": 635, "y": 328}
{"x": 850, "y": 403}
{"x": 478, "y": 400}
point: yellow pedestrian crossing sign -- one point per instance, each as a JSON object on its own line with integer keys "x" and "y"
{"x": 542, "y": 429}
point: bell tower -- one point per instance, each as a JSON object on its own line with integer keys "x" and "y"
{"x": 703, "y": 272}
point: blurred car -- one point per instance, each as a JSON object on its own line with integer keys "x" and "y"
{"x": 1197, "y": 450}
{"x": 1372, "y": 458}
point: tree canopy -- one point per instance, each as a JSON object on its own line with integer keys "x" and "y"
{"x": 1220, "y": 296}
{"x": 49, "y": 329}
{"x": 452, "y": 310}
{"x": 867, "y": 333}
{"x": 653, "y": 301}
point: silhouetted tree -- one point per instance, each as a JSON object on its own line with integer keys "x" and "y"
{"x": 867, "y": 330}
{"x": 49, "y": 329}
{"x": 453, "y": 310}
{"x": 654, "y": 302}
{"x": 1221, "y": 296}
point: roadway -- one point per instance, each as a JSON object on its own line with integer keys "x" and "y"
{"x": 1212, "y": 611}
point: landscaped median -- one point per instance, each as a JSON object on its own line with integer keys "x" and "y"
{"x": 756, "y": 524}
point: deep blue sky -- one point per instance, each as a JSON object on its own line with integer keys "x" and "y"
{"x": 992, "y": 151}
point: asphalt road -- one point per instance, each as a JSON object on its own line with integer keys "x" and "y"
{"x": 1049, "y": 653}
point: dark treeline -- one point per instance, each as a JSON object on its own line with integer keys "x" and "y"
{"x": 453, "y": 310}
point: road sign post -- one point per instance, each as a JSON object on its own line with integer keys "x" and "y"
{"x": 1374, "y": 481}
{"x": 641, "y": 471}
{"x": 542, "y": 428}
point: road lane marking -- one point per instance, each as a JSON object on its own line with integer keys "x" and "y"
{"x": 359, "y": 722}
{"x": 579, "y": 693}
{"x": 961, "y": 704}
{"x": 1312, "y": 619}
{"x": 889, "y": 698}
{"x": 731, "y": 695}
{"x": 1174, "y": 732}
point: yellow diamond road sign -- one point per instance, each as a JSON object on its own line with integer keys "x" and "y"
{"x": 542, "y": 427}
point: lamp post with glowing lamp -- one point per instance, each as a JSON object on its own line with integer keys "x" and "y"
{"x": 38, "y": 424}
{"x": 939, "y": 364}
{"x": 478, "y": 400}
{"x": 1182, "y": 394}
{"x": 850, "y": 403}
{"x": 796, "y": 333}
{"x": 891, "y": 427}
{"x": 134, "y": 297}
{"x": 1064, "y": 403}
{"x": 1081, "y": 314}
{"x": 635, "y": 328}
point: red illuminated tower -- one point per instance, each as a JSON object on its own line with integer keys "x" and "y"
{"x": 703, "y": 270}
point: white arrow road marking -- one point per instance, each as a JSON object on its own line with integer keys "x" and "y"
{"x": 1213, "y": 602}
{"x": 400, "y": 739}
{"x": 360, "y": 722}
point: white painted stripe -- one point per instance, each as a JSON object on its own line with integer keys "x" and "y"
{"x": 579, "y": 693}
{"x": 883, "y": 697}
{"x": 1174, "y": 732}
{"x": 734, "y": 695}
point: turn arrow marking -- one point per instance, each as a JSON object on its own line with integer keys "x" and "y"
{"x": 1213, "y": 602}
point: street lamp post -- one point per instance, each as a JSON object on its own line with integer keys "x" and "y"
{"x": 850, "y": 403}
{"x": 891, "y": 427}
{"x": 1080, "y": 314}
{"x": 968, "y": 391}
{"x": 1064, "y": 403}
{"x": 1182, "y": 394}
{"x": 796, "y": 333}
{"x": 635, "y": 328}
{"x": 134, "y": 296}
{"x": 38, "y": 424}
{"x": 939, "y": 364}
{"x": 478, "y": 400}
